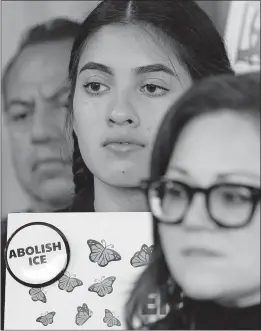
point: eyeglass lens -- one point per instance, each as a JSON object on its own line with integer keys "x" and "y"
{"x": 228, "y": 204}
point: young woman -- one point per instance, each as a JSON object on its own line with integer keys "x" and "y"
{"x": 130, "y": 62}
{"x": 204, "y": 195}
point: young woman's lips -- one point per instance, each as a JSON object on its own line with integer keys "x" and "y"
{"x": 123, "y": 145}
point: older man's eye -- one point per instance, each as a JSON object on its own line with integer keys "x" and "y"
{"x": 19, "y": 117}
{"x": 20, "y": 111}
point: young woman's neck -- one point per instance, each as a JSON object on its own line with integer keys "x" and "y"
{"x": 117, "y": 199}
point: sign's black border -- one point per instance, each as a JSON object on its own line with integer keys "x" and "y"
{"x": 58, "y": 276}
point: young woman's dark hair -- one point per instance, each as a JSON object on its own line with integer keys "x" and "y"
{"x": 200, "y": 49}
{"x": 240, "y": 94}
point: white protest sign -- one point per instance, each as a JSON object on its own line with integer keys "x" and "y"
{"x": 106, "y": 250}
{"x": 242, "y": 35}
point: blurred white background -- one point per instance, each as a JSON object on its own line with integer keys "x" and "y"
{"x": 17, "y": 16}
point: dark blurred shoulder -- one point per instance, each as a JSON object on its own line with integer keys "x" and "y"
{"x": 81, "y": 204}
{"x": 77, "y": 209}
{"x": 3, "y": 225}
{"x": 3, "y": 233}
{"x": 64, "y": 210}
{"x": 172, "y": 321}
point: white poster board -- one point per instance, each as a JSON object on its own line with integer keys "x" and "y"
{"x": 242, "y": 35}
{"x": 126, "y": 231}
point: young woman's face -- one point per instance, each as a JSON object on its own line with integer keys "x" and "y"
{"x": 210, "y": 262}
{"x": 125, "y": 84}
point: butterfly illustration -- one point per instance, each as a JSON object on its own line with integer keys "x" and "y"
{"x": 101, "y": 254}
{"x": 46, "y": 319}
{"x": 83, "y": 314}
{"x": 142, "y": 257}
{"x": 110, "y": 319}
{"x": 37, "y": 294}
{"x": 68, "y": 283}
{"x": 103, "y": 287}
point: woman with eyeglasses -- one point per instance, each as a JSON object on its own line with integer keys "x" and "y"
{"x": 204, "y": 195}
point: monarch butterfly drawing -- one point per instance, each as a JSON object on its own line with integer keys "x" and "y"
{"x": 83, "y": 314}
{"x": 68, "y": 283}
{"x": 37, "y": 294}
{"x": 110, "y": 319}
{"x": 142, "y": 257}
{"x": 101, "y": 254}
{"x": 46, "y": 319}
{"x": 103, "y": 287}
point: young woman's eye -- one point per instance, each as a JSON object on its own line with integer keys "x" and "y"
{"x": 95, "y": 88}
{"x": 153, "y": 90}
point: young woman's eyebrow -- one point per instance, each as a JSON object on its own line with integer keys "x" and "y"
{"x": 155, "y": 68}
{"x": 139, "y": 70}
{"x": 96, "y": 66}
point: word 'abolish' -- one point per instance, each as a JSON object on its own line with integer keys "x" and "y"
{"x": 30, "y": 250}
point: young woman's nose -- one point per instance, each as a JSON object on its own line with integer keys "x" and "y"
{"x": 122, "y": 112}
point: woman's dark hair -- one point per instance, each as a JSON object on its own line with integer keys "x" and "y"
{"x": 199, "y": 46}
{"x": 240, "y": 94}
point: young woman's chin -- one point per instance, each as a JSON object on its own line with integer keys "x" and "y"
{"x": 122, "y": 175}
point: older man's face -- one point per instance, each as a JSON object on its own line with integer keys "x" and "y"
{"x": 36, "y": 99}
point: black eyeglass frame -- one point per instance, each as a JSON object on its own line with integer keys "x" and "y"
{"x": 146, "y": 186}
